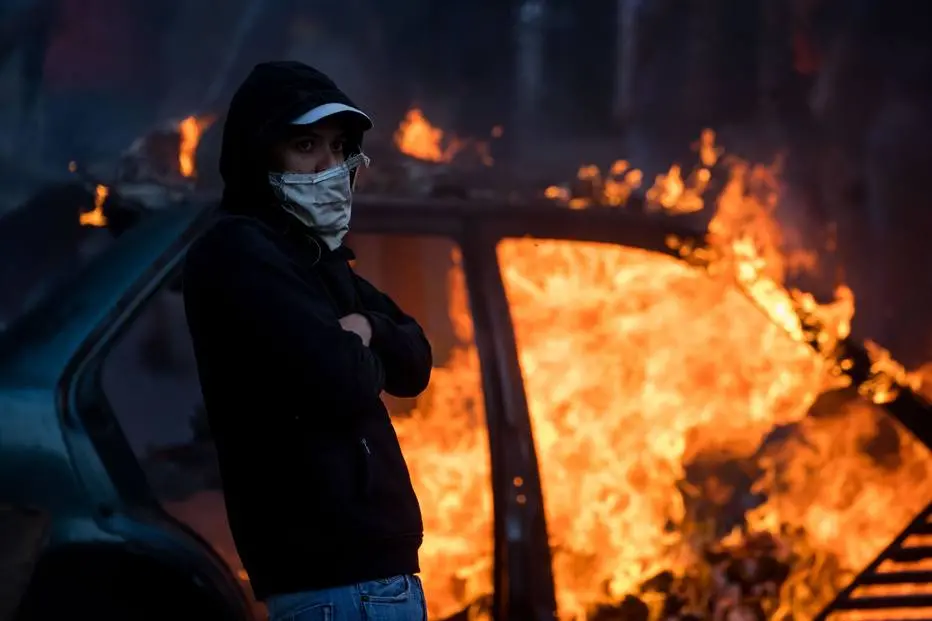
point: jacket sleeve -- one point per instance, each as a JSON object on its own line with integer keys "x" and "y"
{"x": 247, "y": 287}
{"x": 398, "y": 341}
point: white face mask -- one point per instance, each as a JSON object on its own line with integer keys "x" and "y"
{"x": 321, "y": 201}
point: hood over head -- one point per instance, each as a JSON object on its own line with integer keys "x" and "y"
{"x": 275, "y": 96}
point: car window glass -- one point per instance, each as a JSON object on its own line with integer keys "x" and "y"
{"x": 150, "y": 380}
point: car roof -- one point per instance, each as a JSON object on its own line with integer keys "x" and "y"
{"x": 36, "y": 350}
{"x": 627, "y": 226}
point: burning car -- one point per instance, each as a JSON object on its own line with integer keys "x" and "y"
{"x": 631, "y": 415}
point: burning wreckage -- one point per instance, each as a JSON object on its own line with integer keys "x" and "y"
{"x": 671, "y": 433}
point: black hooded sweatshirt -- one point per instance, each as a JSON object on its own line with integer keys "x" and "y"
{"x": 317, "y": 490}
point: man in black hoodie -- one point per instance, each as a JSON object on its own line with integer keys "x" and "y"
{"x": 293, "y": 351}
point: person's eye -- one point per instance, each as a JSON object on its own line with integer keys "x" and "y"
{"x": 338, "y": 146}
{"x": 304, "y": 146}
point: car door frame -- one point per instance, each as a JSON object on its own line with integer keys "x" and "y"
{"x": 136, "y": 517}
{"x": 522, "y": 575}
{"x": 523, "y": 584}
{"x": 522, "y": 578}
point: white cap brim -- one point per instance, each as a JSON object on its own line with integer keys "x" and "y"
{"x": 323, "y": 111}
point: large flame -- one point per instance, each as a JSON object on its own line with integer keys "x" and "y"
{"x": 641, "y": 370}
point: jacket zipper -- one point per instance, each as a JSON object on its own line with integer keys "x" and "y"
{"x": 366, "y": 467}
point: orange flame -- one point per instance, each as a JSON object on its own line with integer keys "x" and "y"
{"x": 190, "y": 129}
{"x": 637, "y": 365}
{"x": 418, "y": 138}
{"x": 96, "y": 217}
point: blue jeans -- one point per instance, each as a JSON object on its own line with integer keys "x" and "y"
{"x": 400, "y": 598}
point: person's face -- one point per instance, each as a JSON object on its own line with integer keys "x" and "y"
{"x": 311, "y": 149}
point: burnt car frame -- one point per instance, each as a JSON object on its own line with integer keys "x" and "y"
{"x": 113, "y": 549}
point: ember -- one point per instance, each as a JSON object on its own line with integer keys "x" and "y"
{"x": 699, "y": 459}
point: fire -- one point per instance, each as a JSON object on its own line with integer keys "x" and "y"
{"x": 96, "y": 217}
{"x": 709, "y": 153}
{"x": 612, "y": 191}
{"x": 418, "y": 138}
{"x": 649, "y": 379}
{"x": 190, "y": 129}
{"x": 668, "y": 364}
{"x": 670, "y": 191}
{"x": 621, "y": 182}
{"x": 446, "y": 446}
{"x": 673, "y": 367}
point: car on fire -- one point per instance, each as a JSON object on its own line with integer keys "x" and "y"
{"x": 102, "y": 430}
{"x": 75, "y": 434}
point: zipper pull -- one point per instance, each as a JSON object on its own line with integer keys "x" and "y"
{"x": 365, "y": 445}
